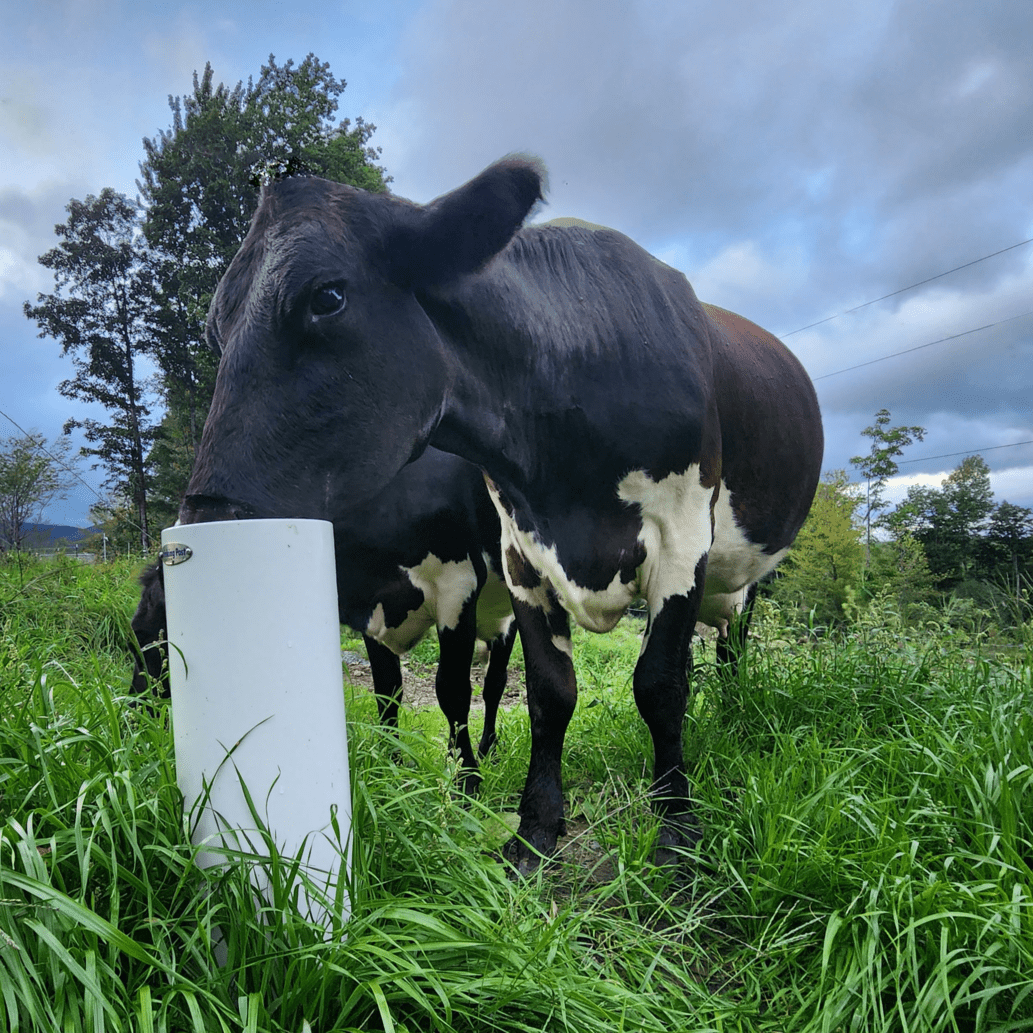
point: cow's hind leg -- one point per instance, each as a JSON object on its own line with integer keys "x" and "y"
{"x": 731, "y": 652}
{"x": 551, "y": 698}
{"x": 453, "y": 688}
{"x": 386, "y": 669}
{"x": 495, "y": 677}
{"x": 731, "y": 646}
{"x": 661, "y": 686}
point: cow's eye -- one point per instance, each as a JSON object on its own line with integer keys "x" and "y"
{"x": 327, "y": 300}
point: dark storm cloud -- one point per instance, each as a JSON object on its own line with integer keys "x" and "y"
{"x": 796, "y": 160}
{"x": 845, "y": 127}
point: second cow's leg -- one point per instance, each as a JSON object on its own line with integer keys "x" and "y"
{"x": 452, "y": 685}
{"x": 386, "y": 669}
{"x": 495, "y": 678}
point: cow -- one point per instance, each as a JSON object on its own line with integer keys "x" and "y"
{"x": 423, "y": 552}
{"x": 635, "y": 443}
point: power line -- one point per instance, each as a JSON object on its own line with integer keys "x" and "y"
{"x": 971, "y": 451}
{"x": 789, "y": 333}
{"x": 919, "y": 347}
{"x": 68, "y": 469}
{"x": 893, "y": 294}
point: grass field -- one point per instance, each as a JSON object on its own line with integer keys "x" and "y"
{"x": 867, "y": 808}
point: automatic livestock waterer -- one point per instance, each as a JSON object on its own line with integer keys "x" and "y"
{"x": 257, "y": 693}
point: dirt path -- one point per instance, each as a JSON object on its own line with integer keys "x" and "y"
{"x": 418, "y": 683}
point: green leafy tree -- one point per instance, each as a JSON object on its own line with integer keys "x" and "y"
{"x": 33, "y": 474}
{"x": 200, "y": 180}
{"x": 825, "y": 563}
{"x": 102, "y": 313}
{"x": 949, "y": 521}
{"x": 900, "y": 569}
{"x": 115, "y": 520}
{"x": 1005, "y": 552}
{"x": 879, "y": 465}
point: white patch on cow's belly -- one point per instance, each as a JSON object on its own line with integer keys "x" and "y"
{"x": 594, "y": 610}
{"x": 735, "y": 563}
{"x": 676, "y": 530}
{"x": 446, "y": 587}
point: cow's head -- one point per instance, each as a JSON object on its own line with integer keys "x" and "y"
{"x": 332, "y": 375}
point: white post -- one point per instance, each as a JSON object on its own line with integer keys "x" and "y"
{"x": 257, "y": 691}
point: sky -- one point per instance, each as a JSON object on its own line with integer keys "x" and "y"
{"x": 805, "y": 163}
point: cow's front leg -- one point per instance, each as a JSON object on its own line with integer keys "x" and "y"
{"x": 150, "y": 669}
{"x": 661, "y": 686}
{"x": 551, "y": 698}
{"x": 452, "y": 685}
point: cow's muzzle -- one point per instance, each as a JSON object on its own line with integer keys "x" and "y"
{"x": 203, "y": 509}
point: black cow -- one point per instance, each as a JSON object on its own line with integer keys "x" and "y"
{"x": 635, "y": 442}
{"x": 424, "y": 552}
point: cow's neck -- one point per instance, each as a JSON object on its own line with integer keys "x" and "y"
{"x": 503, "y": 401}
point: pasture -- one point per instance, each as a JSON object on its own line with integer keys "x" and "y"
{"x": 866, "y": 803}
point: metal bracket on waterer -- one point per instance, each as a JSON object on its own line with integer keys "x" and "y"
{"x": 173, "y": 553}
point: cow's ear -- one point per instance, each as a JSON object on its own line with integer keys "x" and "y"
{"x": 462, "y": 231}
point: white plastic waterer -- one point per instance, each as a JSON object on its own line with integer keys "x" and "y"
{"x": 257, "y": 692}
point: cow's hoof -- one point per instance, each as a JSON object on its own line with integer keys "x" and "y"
{"x": 469, "y": 781}
{"x": 678, "y": 838}
{"x": 526, "y": 852}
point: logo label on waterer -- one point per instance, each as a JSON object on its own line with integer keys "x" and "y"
{"x": 173, "y": 553}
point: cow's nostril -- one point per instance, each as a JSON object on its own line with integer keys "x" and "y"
{"x": 203, "y": 509}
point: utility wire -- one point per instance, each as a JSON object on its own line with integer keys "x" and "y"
{"x": 919, "y": 347}
{"x": 971, "y": 451}
{"x": 789, "y": 333}
{"x": 43, "y": 448}
{"x": 893, "y": 294}
{"x": 68, "y": 469}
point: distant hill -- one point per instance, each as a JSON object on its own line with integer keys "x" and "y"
{"x": 54, "y": 536}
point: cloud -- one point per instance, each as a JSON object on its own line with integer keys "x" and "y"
{"x": 795, "y": 160}
{"x": 27, "y": 221}
{"x": 23, "y": 116}
{"x": 843, "y": 151}
{"x": 939, "y": 347}
{"x": 1013, "y": 484}
{"x": 745, "y": 278}
{"x": 711, "y": 120}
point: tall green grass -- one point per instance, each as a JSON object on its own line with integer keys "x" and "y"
{"x": 867, "y": 810}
